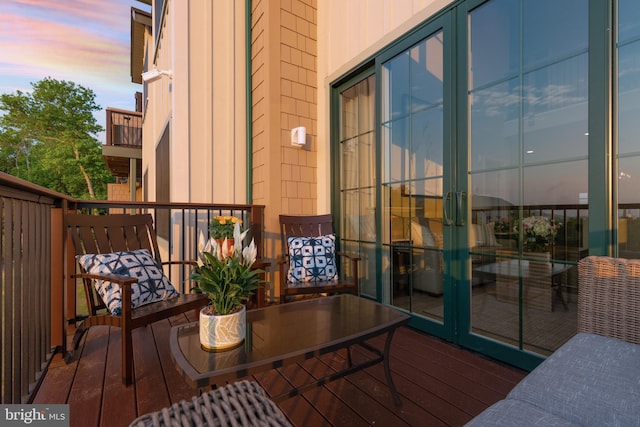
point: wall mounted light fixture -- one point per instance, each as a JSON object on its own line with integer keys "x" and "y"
{"x": 153, "y": 75}
{"x": 299, "y": 136}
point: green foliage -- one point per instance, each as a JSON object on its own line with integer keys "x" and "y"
{"x": 221, "y": 226}
{"x": 229, "y": 281}
{"x": 48, "y": 137}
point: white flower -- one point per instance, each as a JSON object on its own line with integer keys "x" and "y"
{"x": 250, "y": 253}
{"x": 538, "y": 227}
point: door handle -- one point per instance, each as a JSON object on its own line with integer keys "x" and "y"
{"x": 445, "y": 211}
{"x": 461, "y": 208}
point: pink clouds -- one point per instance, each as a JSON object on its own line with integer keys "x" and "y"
{"x": 46, "y": 47}
{"x": 95, "y": 11}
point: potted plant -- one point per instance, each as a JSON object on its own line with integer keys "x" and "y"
{"x": 221, "y": 228}
{"x": 229, "y": 280}
{"x": 538, "y": 233}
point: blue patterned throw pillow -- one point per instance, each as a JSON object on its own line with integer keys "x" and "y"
{"x": 152, "y": 284}
{"x": 312, "y": 259}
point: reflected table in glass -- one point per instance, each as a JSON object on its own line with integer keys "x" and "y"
{"x": 537, "y": 281}
{"x": 288, "y": 333}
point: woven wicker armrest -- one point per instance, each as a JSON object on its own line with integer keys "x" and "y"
{"x": 242, "y": 403}
{"x": 609, "y": 297}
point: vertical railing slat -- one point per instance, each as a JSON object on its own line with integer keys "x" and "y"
{"x": 7, "y": 300}
{"x": 18, "y": 349}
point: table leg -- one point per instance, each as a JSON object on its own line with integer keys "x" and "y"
{"x": 387, "y": 370}
{"x": 558, "y": 292}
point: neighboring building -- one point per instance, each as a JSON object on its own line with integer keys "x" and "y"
{"x": 434, "y": 129}
{"x": 122, "y": 154}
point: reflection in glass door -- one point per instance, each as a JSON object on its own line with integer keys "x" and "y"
{"x": 527, "y": 177}
{"x": 358, "y": 178}
{"x": 628, "y": 153}
{"x": 412, "y": 116}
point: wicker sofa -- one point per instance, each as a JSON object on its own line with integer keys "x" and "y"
{"x": 594, "y": 378}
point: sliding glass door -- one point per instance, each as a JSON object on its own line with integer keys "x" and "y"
{"x": 412, "y": 180}
{"x": 476, "y": 165}
{"x": 527, "y": 175}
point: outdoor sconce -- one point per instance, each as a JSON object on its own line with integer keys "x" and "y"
{"x": 153, "y": 75}
{"x": 299, "y": 136}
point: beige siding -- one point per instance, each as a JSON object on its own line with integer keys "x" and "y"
{"x": 202, "y": 42}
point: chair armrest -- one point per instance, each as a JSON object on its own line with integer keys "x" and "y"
{"x": 282, "y": 259}
{"x": 125, "y": 283}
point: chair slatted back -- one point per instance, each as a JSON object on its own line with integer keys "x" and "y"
{"x": 93, "y": 234}
{"x": 101, "y": 234}
{"x": 304, "y": 226}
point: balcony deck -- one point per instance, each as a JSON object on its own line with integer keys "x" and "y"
{"x": 440, "y": 384}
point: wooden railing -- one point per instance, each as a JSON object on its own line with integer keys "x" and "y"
{"x": 27, "y": 285}
{"x": 38, "y": 298}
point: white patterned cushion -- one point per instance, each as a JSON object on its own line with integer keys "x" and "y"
{"x": 152, "y": 284}
{"x": 312, "y": 259}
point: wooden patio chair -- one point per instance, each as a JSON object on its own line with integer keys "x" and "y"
{"x": 107, "y": 234}
{"x": 309, "y": 262}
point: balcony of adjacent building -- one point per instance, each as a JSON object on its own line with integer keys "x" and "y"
{"x": 122, "y": 153}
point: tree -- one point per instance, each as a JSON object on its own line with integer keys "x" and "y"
{"x": 49, "y": 137}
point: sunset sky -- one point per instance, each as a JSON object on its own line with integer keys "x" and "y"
{"x": 83, "y": 41}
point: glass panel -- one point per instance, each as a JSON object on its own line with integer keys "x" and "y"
{"x": 427, "y": 137}
{"x": 349, "y": 158}
{"x": 413, "y": 136}
{"x": 358, "y": 179}
{"x": 358, "y": 215}
{"x": 628, "y": 96}
{"x": 494, "y": 126}
{"x": 366, "y": 105}
{"x": 549, "y": 36}
{"x": 348, "y": 113}
{"x": 529, "y": 171}
{"x": 629, "y": 181}
{"x": 399, "y": 154}
{"x": 425, "y": 81}
{"x": 555, "y": 112}
{"x": 542, "y": 184}
{"x": 396, "y": 92}
{"x": 628, "y": 20}
{"x": 494, "y": 41}
{"x": 629, "y": 208}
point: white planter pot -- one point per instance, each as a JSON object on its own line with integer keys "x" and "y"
{"x": 218, "y": 333}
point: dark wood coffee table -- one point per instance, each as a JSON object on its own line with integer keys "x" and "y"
{"x": 283, "y": 334}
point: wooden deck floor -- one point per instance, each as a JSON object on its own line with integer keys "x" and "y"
{"x": 439, "y": 383}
